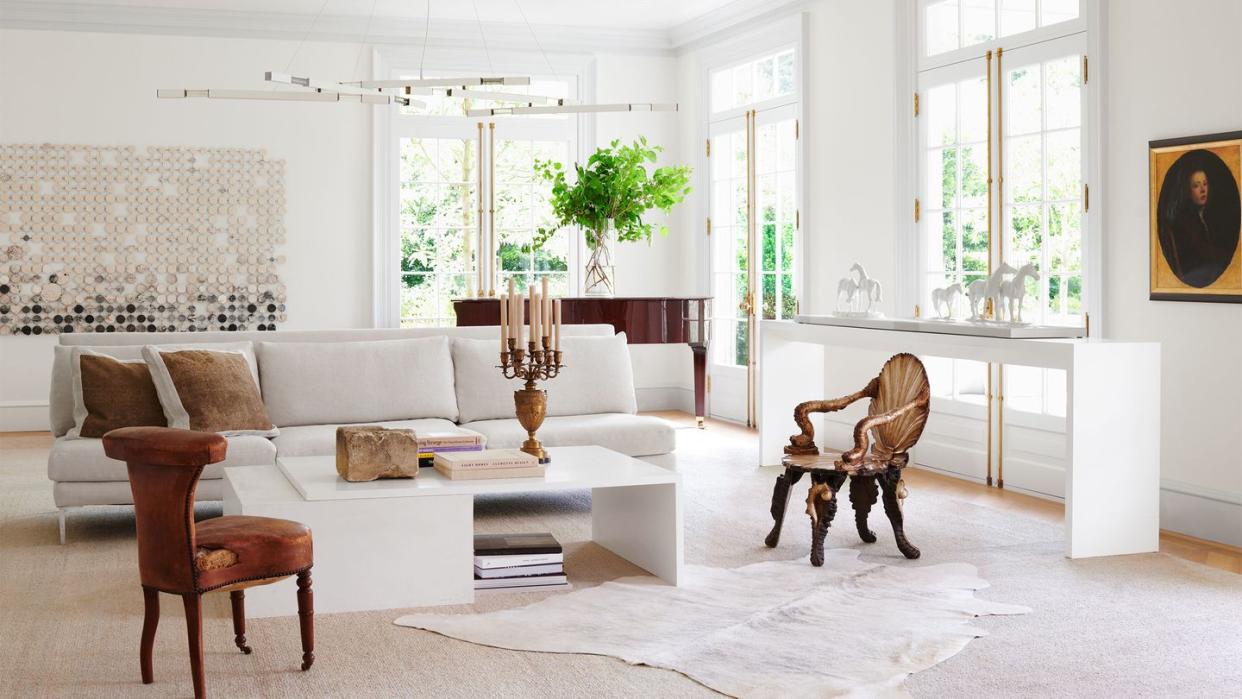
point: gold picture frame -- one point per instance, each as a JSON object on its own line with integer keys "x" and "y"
{"x": 1195, "y": 219}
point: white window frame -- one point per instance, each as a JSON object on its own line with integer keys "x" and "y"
{"x": 911, "y": 53}
{"x": 388, "y": 127}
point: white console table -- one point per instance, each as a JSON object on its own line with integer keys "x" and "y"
{"x": 1112, "y": 474}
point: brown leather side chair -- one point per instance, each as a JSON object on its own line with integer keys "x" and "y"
{"x": 180, "y": 557}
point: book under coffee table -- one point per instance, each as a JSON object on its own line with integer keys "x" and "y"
{"x": 399, "y": 543}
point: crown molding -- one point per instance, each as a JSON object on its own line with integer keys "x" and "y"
{"x": 384, "y": 31}
{"x": 737, "y": 16}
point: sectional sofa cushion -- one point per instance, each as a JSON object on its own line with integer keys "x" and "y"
{"x": 597, "y": 378}
{"x": 110, "y": 393}
{"x": 320, "y": 440}
{"x": 84, "y": 459}
{"x": 633, "y": 435}
{"x": 208, "y": 391}
{"x": 60, "y": 394}
{"x": 319, "y": 383}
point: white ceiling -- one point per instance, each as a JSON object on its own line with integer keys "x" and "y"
{"x": 618, "y": 14}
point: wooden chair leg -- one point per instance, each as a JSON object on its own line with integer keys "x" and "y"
{"x": 238, "y": 600}
{"x": 150, "y": 620}
{"x": 780, "y": 500}
{"x": 890, "y": 481}
{"x": 194, "y": 628}
{"x": 306, "y": 618}
{"x": 822, "y": 503}
{"x": 863, "y": 494}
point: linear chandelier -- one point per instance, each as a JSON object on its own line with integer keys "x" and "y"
{"x": 403, "y": 92}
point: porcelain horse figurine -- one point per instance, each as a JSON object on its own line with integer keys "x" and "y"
{"x": 947, "y": 296}
{"x": 982, "y": 289}
{"x": 1013, "y": 292}
{"x": 849, "y": 287}
{"x": 868, "y": 287}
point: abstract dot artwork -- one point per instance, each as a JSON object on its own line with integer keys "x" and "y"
{"x": 126, "y": 239}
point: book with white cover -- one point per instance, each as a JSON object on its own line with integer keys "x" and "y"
{"x": 534, "y": 582}
{"x": 519, "y": 571}
{"x": 478, "y": 474}
{"x": 486, "y": 459}
{"x": 531, "y": 559}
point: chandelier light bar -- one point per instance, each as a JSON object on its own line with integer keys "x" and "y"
{"x": 530, "y": 100}
{"x": 572, "y": 109}
{"x": 441, "y": 82}
{"x": 275, "y": 96}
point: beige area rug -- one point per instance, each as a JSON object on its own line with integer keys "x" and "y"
{"x": 71, "y": 616}
{"x": 773, "y": 629}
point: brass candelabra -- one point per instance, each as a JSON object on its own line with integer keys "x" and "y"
{"x": 538, "y": 362}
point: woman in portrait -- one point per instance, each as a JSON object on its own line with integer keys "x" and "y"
{"x": 1196, "y": 239}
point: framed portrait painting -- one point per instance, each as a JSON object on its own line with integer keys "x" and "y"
{"x": 1196, "y": 218}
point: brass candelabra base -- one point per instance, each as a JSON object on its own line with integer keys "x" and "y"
{"x": 532, "y": 406}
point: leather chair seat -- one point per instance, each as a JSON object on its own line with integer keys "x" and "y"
{"x": 263, "y": 547}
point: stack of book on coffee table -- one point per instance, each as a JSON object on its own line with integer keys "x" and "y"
{"x": 489, "y": 463}
{"x": 432, "y": 443}
{"x": 518, "y": 561}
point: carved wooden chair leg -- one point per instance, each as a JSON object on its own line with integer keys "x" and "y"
{"x": 780, "y": 500}
{"x": 150, "y": 620}
{"x": 891, "y": 483}
{"x": 306, "y": 618}
{"x": 821, "y": 504}
{"x": 863, "y": 494}
{"x": 238, "y": 600}
{"x": 194, "y": 628}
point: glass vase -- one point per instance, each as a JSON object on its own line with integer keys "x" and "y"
{"x": 600, "y": 277}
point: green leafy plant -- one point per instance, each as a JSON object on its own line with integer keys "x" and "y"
{"x": 614, "y": 184}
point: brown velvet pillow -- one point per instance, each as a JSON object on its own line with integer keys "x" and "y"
{"x": 209, "y": 391}
{"x": 117, "y": 394}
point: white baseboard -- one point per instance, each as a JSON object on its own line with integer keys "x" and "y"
{"x": 23, "y": 416}
{"x": 665, "y": 398}
{"x": 1200, "y": 512}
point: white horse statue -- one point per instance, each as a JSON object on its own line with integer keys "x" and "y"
{"x": 947, "y": 296}
{"x": 1013, "y": 292}
{"x": 982, "y": 289}
{"x": 868, "y": 287}
{"x": 849, "y": 287}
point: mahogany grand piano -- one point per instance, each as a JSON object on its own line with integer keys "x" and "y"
{"x": 645, "y": 320}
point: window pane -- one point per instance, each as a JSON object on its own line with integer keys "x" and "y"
{"x": 765, "y": 79}
{"x": 978, "y": 21}
{"x": 940, "y": 22}
{"x": 1064, "y": 95}
{"x": 1053, "y": 11}
{"x": 1016, "y": 16}
{"x": 973, "y": 108}
{"x": 744, "y": 84}
{"x": 974, "y": 176}
{"x": 1064, "y": 165}
{"x": 1023, "y": 103}
{"x": 785, "y": 73}
{"x": 1024, "y": 168}
{"x": 975, "y": 240}
{"x": 942, "y": 178}
{"x": 942, "y": 115}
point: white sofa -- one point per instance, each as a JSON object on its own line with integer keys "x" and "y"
{"x": 315, "y": 385}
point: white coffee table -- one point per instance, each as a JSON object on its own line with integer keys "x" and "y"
{"x": 394, "y": 544}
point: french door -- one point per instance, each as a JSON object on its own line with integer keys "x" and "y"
{"x": 754, "y": 222}
{"x": 470, "y": 203}
{"x": 1002, "y": 149}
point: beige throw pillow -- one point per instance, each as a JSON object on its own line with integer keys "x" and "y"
{"x": 208, "y": 391}
{"x": 110, "y": 393}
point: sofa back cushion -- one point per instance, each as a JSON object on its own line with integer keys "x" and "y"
{"x": 597, "y": 378}
{"x": 319, "y": 383}
{"x": 60, "y": 393}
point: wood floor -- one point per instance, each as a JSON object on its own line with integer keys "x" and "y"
{"x": 1181, "y": 546}
{"x": 1208, "y": 553}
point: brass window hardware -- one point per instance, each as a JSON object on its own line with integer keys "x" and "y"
{"x": 916, "y": 104}
{"x": 798, "y": 219}
{"x": 709, "y": 384}
{"x": 709, "y": 147}
{"x": 797, "y": 129}
{"x": 1085, "y": 71}
{"x": 709, "y": 225}
{"x": 917, "y": 210}
{"x": 1086, "y": 198}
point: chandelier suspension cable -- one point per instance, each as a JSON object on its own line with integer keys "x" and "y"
{"x": 306, "y": 36}
{"x": 366, "y": 35}
{"x": 535, "y": 37}
{"x": 482, "y": 36}
{"x": 426, "y": 33}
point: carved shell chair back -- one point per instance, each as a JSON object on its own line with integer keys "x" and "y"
{"x": 900, "y": 403}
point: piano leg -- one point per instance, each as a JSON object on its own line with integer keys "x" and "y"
{"x": 700, "y": 382}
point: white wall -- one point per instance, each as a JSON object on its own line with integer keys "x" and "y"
{"x": 1175, "y": 69}
{"x": 111, "y": 81}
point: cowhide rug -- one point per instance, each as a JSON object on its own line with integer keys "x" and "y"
{"x": 779, "y": 628}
